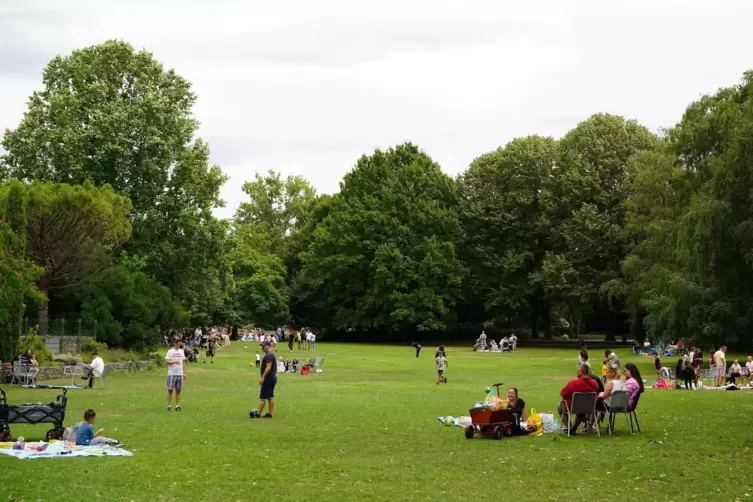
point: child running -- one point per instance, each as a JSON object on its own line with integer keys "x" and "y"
{"x": 441, "y": 361}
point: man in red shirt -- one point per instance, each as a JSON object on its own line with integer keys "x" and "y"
{"x": 581, "y": 383}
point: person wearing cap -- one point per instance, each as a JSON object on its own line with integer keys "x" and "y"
{"x": 268, "y": 381}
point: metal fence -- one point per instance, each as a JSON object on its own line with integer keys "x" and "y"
{"x": 64, "y": 326}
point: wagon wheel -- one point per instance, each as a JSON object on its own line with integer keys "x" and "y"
{"x": 54, "y": 434}
{"x": 5, "y": 434}
{"x": 497, "y": 432}
{"x": 508, "y": 431}
{"x": 469, "y": 432}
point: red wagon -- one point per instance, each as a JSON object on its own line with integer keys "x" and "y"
{"x": 493, "y": 423}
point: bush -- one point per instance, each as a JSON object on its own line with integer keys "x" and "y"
{"x": 157, "y": 358}
{"x": 91, "y": 346}
{"x": 68, "y": 359}
{"x": 37, "y": 346}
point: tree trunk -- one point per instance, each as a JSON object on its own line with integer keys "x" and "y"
{"x": 546, "y": 312}
{"x": 43, "y": 319}
{"x": 534, "y": 317}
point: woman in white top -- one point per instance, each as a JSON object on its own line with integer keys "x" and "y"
{"x": 614, "y": 384}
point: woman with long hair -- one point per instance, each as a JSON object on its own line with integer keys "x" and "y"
{"x": 633, "y": 384}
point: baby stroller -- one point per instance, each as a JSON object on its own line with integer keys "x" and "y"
{"x": 506, "y": 346}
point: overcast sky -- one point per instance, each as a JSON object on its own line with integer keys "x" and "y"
{"x": 308, "y": 86}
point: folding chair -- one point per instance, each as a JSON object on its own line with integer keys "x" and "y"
{"x": 584, "y": 403}
{"x": 620, "y": 401}
{"x": 20, "y": 374}
{"x": 74, "y": 371}
{"x": 31, "y": 375}
{"x": 318, "y": 365}
{"x": 101, "y": 378}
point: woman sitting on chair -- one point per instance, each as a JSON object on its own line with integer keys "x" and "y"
{"x": 614, "y": 384}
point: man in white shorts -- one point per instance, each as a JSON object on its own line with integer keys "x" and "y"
{"x": 176, "y": 373}
{"x": 720, "y": 359}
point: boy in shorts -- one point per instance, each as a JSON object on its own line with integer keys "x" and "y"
{"x": 441, "y": 362}
{"x": 176, "y": 374}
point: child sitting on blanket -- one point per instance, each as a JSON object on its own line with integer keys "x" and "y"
{"x": 85, "y": 435}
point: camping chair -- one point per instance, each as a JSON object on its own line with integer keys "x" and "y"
{"x": 620, "y": 401}
{"x": 31, "y": 375}
{"x": 20, "y": 375}
{"x": 584, "y": 403}
{"x": 318, "y": 365}
{"x": 74, "y": 371}
{"x": 101, "y": 378}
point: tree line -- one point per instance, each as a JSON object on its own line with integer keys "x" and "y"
{"x": 108, "y": 196}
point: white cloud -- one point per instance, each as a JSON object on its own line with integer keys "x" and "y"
{"x": 307, "y": 87}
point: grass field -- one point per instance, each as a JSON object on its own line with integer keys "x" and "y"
{"x": 366, "y": 430}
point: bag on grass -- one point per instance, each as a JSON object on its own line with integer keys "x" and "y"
{"x": 534, "y": 419}
{"x": 547, "y": 421}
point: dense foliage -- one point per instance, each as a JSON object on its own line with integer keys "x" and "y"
{"x": 108, "y": 209}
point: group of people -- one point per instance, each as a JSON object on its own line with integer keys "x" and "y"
{"x": 506, "y": 344}
{"x": 586, "y": 382}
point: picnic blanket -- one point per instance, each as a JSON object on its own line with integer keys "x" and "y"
{"x": 59, "y": 449}
{"x": 45, "y": 386}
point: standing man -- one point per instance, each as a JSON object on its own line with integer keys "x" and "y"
{"x": 267, "y": 382}
{"x": 176, "y": 373}
{"x": 211, "y": 343}
{"x": 720, "y": 359}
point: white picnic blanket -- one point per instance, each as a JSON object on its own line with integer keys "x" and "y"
{"x": 59, "y": 449}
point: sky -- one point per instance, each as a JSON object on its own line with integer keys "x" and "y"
{"x": 307, "y": 87}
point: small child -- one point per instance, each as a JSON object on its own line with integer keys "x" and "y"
{"x": 604, "y": 371}
{"x": 85, "y": 435}
{"x": 441, "y": 361}
{"x": 657, "y": 366}
{"x": 258, "y": 359}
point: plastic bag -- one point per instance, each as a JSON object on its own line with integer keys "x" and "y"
{"x": 534, "y": 419}
{"x": 547, "y": 421}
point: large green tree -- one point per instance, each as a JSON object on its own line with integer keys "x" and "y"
{"x": 278, "y": 206}
{"x": 109, "y": 114}
{"x": 17, "y": 275}
{"x": 705, "y": 291}
{"x": 508, "y": 201}
{"x": 72, "y": 232}
{"x": 385, "y": 257}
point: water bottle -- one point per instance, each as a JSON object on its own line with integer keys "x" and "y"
{"x": 557, "y": 427}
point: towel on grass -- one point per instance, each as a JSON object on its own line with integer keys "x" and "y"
{"x": 45, "y": 386}
{"x": 59, "y": 449}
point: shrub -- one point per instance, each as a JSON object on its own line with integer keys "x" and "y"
{"x": 90, "y": 346}
{"x": 157, "y": 358}
{"x": 37, "y": 346}
{"x": 68, "y": 359}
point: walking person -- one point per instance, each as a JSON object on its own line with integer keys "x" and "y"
{"x": 441, "y": 362}
{"x": 211, "y": 345}
{"x": 267, "y": 382}
{"x": 176, "y": 374}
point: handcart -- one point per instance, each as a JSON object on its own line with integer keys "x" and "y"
{"x": 494, "y": 423}
{"x": 32, "y": 414}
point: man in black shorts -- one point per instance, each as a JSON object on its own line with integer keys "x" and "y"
{"x": 267, "y": 382}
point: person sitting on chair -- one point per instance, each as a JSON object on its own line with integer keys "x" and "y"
{"x": 95, "y": 369}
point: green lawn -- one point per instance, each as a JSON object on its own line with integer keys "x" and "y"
{"x": 366, "y": 430}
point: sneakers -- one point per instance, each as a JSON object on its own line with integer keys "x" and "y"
{"x": 445, "y": 379}
{"x": 178, "y": 408}
{"x": 267, "y": 416}
{"x": 169, "y": 409}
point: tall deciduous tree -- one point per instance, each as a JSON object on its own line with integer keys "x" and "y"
{"x": 508, "y": 202}
{"x": 112, "y": 115}
{"x": 278, "y": 206}
{"x": 385, "y": 257}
